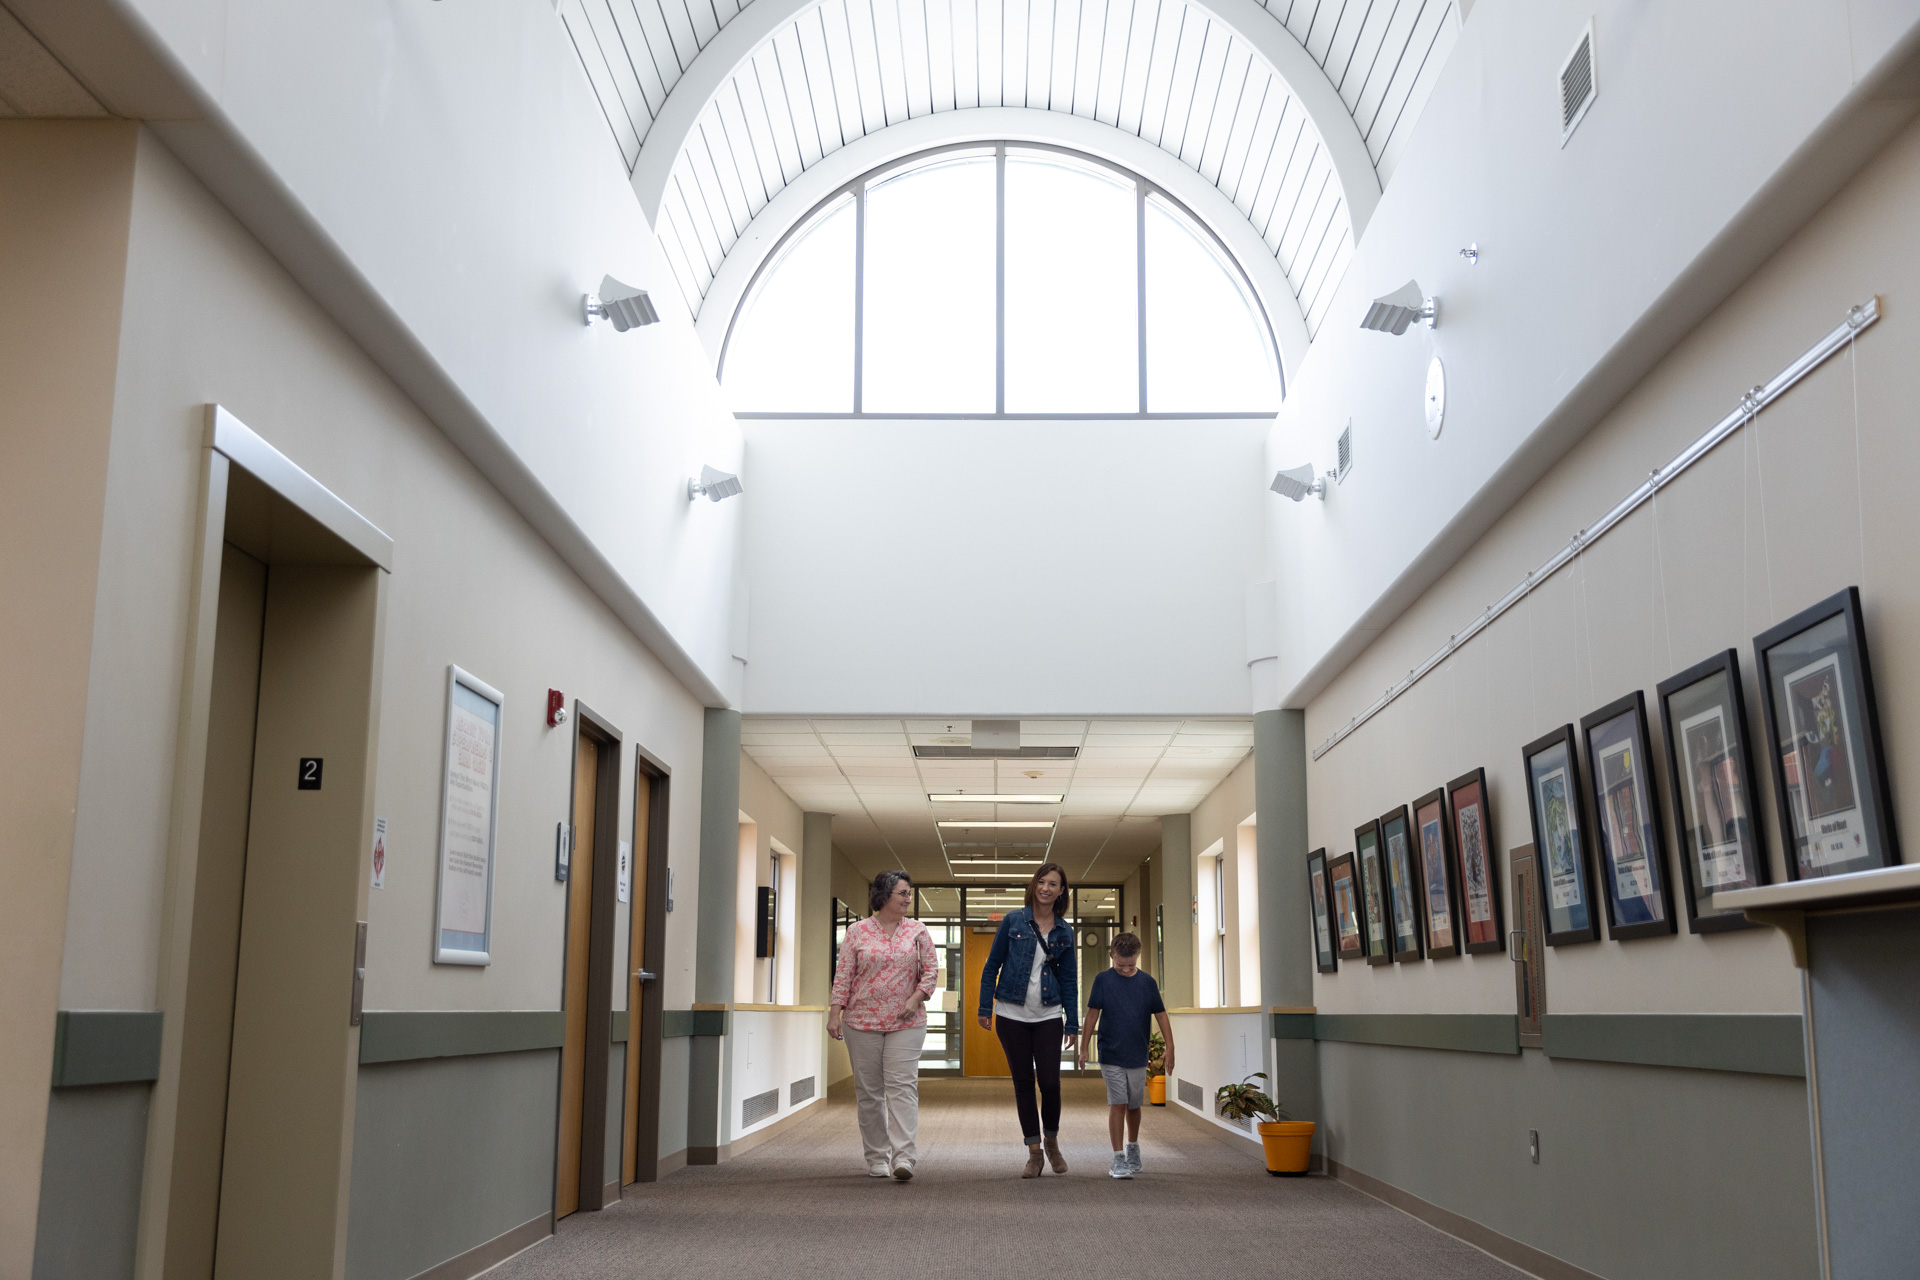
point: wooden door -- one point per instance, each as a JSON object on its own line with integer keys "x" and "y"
{"x": 1527, "y": 946}
{"x": 981, "y": 1054}
{"x": 573, "y": 1054}
{"x": 636, "y": 961}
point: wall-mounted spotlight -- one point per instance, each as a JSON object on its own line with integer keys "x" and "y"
{"x": 626, "y": 306}
{"x": 1297, "y": 482}
{"x": 1399, "y": 309}
{"x": 714, "y": 485}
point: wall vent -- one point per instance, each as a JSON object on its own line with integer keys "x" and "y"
{"x": 799, "y": 1091}
{"x": 759, "y": 1107}
{"x": 1578, "y": 86}
{"x": 1191, "y": 1096}
{"x": 1344, "y": 463}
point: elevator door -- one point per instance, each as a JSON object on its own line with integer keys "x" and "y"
{"x": 981, "y": 1051}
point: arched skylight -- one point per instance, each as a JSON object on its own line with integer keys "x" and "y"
{"x": 1000, "y": 279}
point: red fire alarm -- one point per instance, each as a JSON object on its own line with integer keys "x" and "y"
{"x": 556, "y": 708}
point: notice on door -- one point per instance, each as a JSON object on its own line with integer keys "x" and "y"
{"x": 469, "y": 819}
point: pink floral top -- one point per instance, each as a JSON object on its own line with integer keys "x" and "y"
{"x": 878, "y": 973}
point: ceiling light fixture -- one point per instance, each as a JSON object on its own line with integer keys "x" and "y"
{"x": 1396, "y": 312}
{"x": 983, "y": 875}
{"x": 1297, "y": 482}
{"x": 626, "y": 306}
{"x": 961, "y": 824}
{"x": 961, "y": 797}
{"x": 713, "y": 485}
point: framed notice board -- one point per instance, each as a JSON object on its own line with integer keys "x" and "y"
{"x": 469, "y": 822}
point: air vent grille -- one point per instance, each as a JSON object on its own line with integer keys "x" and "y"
{"x": 799, "y": 1091}
{"x": 996, "y": 753}
{"x": 1191, "y": 1096}
{"x": 1577, "y": 84}
{"x": 1346, "y": 453}
{"x": 759, "y": 1107}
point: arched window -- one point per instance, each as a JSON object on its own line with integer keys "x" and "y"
{"x": 1000, "y": 279}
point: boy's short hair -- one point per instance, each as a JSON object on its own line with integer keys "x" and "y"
{"x": 1125, "y": 944}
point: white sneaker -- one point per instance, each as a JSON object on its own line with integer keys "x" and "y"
{"x": 1122, "y": 1167}
{"x": 1133, "y": 1156}
{"x": 878, "y": 1169}
{"x": 903, "y": 1172}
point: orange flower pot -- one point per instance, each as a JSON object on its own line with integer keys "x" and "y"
{"x": 1288, "y": 1144}
{"x": 1157, "y": 1090}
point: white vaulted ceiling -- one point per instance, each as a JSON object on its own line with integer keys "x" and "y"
{"x": 1127, "y": 774}
{"x": 1169, "y": 72}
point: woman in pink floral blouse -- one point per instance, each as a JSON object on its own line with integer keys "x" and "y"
{"x": 880, "y": 990}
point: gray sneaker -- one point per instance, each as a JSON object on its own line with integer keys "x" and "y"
{"x": 1122, "y": 1167}
{"x": 1133, "y": 1156}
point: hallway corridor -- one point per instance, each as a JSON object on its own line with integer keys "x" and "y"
{"x": 801, "y": 1205}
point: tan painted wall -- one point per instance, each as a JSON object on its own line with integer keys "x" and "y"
{"x": 1796, "y": 507}
{"x": 65, "y": 192}
{"x": 210, "y": 318}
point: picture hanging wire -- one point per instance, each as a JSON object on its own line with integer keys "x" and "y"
{"x": 1751, "y": 403}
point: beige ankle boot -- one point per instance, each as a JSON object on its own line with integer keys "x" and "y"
{"x": 1058, "y": 1161}
{"x": 1035, "y": 1161}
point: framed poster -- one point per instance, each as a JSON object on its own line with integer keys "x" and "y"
{"x": 1433, "y": 875}
{"x": 1376, "y": 926}
{"x": 1703, "y": 712}
{"x": 1396, "y": 838}
{"x": 1476, "y": 863}
{"x": 1344, "y": 899}
{"x": 1823, "y": 741}
{"x": 469, "y": 822}
{"x": 1324, "y": 954}
{"x": 1632, "y": 843}
{"x": 1552, "y": 768}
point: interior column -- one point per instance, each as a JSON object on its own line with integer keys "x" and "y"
{"x": 710, "y": 1058}
{"x": 1286, "y": 945}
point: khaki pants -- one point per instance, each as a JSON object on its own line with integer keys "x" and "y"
{"x": 886, "y": 1080}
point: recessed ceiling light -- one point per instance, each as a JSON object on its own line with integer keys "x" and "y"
{"x": 1026, "y": 797}
{"x": 985, "y": 875}
{"x": 961, "y": 823}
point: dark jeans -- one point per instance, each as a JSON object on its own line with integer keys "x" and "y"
{"x": 1033, "y": 1049}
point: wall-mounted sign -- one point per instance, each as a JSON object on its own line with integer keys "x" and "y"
{"x": 310, "y": 767}
{"x": 379, "y": 853}
{"x": 626, "y": 871}
{"x": 469, "y": 821}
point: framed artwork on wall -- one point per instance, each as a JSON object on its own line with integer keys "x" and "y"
{"x": 1703, "y": 712}
{"x": 1823, "y": 741}
{"x": 469, "y": 821}
{"x": 1551, "y": 765}
{"x": 1324, "y": 954}
{"x": 1433, "y": 875}
{"x": 1376, "y": 925}
{"x": 1396, "y": 839}
{"x": 1632, "y": 841}
{"x": 1344, "y": 899}
{"x": 1475, "y": 863}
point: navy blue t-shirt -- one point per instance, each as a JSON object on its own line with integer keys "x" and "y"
{"x": 1127, "y": 1006}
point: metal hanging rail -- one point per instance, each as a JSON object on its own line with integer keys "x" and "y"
{"x": 1751, "y": 403}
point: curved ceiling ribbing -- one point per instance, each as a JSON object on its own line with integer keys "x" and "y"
{"x": 1167, "y": 71}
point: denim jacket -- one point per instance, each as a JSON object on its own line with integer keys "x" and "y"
{"x": 1009, "y": 968}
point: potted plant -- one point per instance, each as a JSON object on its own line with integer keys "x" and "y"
{"x": 1287, "y": 1142}
{"x": 1156, "y": 1068}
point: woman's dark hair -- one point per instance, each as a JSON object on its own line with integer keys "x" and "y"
{"x": 883, "y": 886}
{"x": 1057, "y": 870}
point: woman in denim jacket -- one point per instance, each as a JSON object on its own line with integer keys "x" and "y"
{"x": 1032, "y": 983}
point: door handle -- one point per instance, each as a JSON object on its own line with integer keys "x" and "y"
{"x": 644, "y": 976}
{"x": 1515, "y": 949}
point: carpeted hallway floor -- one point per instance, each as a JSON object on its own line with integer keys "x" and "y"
{"x": 802, "y": 1205}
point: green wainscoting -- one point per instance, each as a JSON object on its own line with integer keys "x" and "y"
{"x": 106, "y": 1046}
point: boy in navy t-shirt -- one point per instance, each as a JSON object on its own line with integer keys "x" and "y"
{"x": 1122, "y": 1004}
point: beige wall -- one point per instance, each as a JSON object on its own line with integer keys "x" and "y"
{"x": 1809, "y": 499}
{"x": 778, "y": 823}
{"x": 64, "y": 197}
{"x": 210, "y": 317}
{"x": 1221, "y": 817}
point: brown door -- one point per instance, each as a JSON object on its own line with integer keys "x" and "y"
{"x": 981, "y": 1054}
{"x": 1527, "y": 946}
{"x": 636, "y": 962}
{"x": 573, "y": 1055}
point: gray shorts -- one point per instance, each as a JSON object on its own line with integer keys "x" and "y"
{"x": 1126, "y": 1086}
